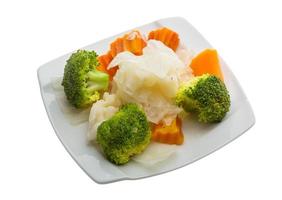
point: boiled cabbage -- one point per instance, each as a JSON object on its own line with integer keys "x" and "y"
{"x": 150, "y": 80}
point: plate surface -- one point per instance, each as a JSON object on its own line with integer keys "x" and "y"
{"x": 200, "y": 140}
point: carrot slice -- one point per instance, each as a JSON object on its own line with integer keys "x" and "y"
{"x": 119, "y": 45}
{"x": 171, "y": 134}
{"x": 207, "y": 62}
{"x": 174, "y": 42}
{"x": 104, "y": 61}
{"x": 157, "y": 34}
{"x": 168, "y": 37}
{"x": 113, "y": 50}
{"x": 163, "y": 34}
{"x": 151, "y": 35}
{"x": 134, "y": 42}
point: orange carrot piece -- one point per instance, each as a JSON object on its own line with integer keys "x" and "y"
{"x": 104, "y": 61}
{"x": 119, "y": 45}
{"x": 134, "y": 42}
{"x": 207, "y": 62}
{"x": 167, "y": 36}
{"x": 157, "y": 35}
{"x": 101, "y": 68}
{"x": 112, "y": 72}
{"x": 171, "y": 134}
{"x": 172, "y": 41}
{"x": 163, "y": 34}
{"x": 116, "y": 47}
{"x": 113, "y": 50}
{"x": 151, "y": 35}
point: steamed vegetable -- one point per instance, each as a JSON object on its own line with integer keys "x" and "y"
{"x": 134, "y": 42}
{"x": 206, "y": 62}
{"x": 206, "y": 96}
{"x": 116, "y": 47}
{"x": 104, "y": 61}
{"x": 167, "y": 36}
{"x": 82, "y": 82}
{"x": 124, "y": 135}
{"x": 168, "y": 134}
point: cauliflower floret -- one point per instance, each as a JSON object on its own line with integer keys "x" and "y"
{"x": 102, "y": 110}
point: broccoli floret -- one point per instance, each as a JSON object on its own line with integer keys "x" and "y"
{"x": 206, "y": 96}
{"x": 82, "y": 82}
{"x": 124, "y": 135}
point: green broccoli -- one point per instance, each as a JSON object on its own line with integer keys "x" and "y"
{"x": 82, "y": 82}
{"x": 124, "y": 135}
{"x": 206, "y": 96}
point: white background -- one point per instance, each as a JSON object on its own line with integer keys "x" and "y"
{"x": 34, "y": 164}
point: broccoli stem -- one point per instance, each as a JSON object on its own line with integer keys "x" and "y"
{"x": 97, "y": 81}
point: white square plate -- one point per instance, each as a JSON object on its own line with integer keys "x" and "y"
{"x": 200, "y": 140}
